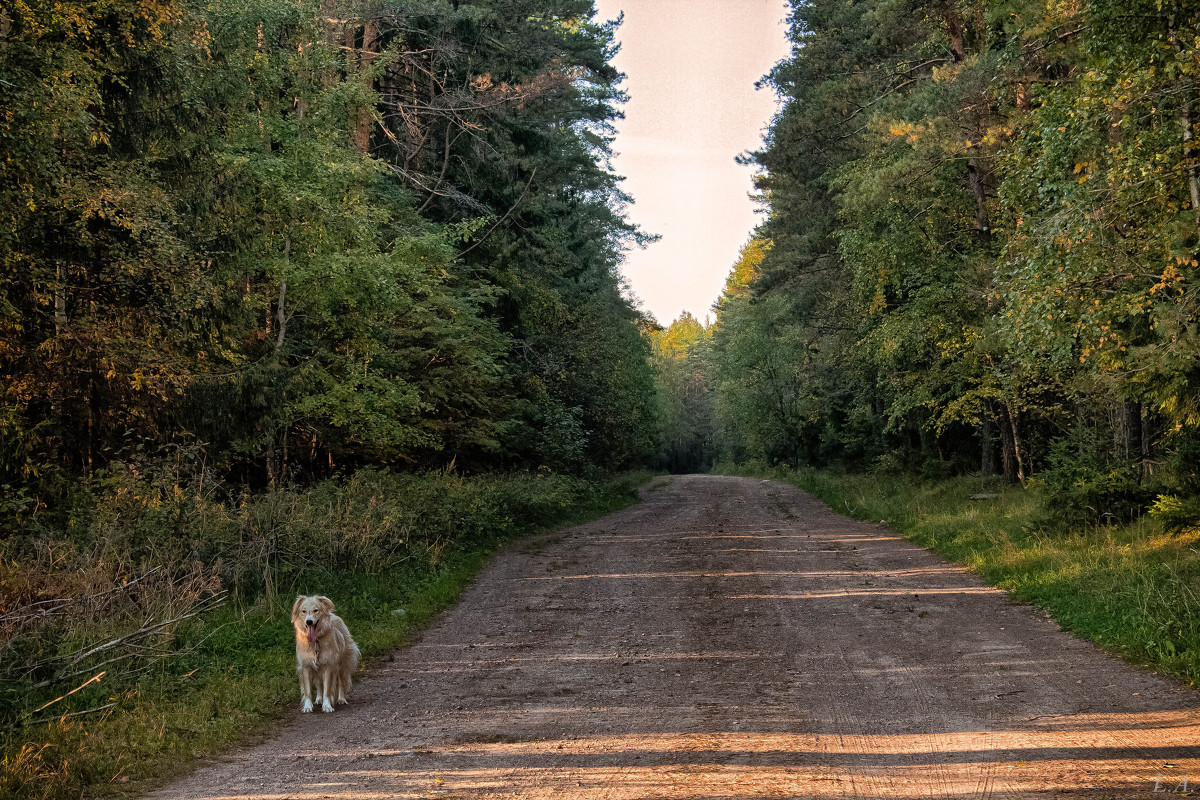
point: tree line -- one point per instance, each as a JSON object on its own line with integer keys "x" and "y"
{"x": 268, "y": 241}
{"x": 979, "y": 252}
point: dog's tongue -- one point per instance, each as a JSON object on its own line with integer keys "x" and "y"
{"x": 312, "y": 633}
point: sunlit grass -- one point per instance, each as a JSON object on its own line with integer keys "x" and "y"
{"x": 1133, "y": 589}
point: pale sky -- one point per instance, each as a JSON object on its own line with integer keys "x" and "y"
{"x": 691, "y": 67}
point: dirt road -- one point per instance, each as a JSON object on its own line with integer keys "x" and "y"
{"x": 732, "y": 638}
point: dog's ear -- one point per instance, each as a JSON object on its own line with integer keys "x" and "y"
{"x": 296, "y": 605}
{"x": 325, "y": 603}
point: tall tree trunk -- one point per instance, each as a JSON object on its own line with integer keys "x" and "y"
{"x": 280, "y": 312}
{"x": 55, "y": 389}
{"x": 975, "y": 124}
{"x": 331, "y": 12}
{"x": 273, "y": 464}
{"x": 1127, "y": 433}
{"x": 60, "y": 300}
{"x": 954, "y": 28}
{"x": 280, "y": 317}
{"x": 1185, "y": 120}
{"x": 983, "y": 225}
{"x": 1018, "y": 455}
{"x": 91, "y": 423}
{"x": 1147, "y": 443}
{"x": 1013, "y": 458}
{"x": 1189, "y": 155}
{"x": 362, "y": 132}
{"x": 1007, "y": 458}
{"x": 987, "y": 447}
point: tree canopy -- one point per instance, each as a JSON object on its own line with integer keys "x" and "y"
{"x": 294, "y": 238}
{"x": 980, "y": 248}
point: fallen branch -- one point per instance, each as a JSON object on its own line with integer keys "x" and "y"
{"x": 65, "y": 716}
{"x": 43, "y": 609}
{"x": 135, "y": 643}
{"x": 89, "y": 681}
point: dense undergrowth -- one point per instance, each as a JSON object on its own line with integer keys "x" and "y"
{"x": 219, "y": 577}
{"x": 1132, "y": 588}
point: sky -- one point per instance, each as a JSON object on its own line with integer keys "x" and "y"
{"x": 690, "y": 69}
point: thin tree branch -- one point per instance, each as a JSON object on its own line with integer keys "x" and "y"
{"x": 506, "y": 214}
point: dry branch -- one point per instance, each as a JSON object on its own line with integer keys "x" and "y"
{"x": 88, "y": 682}
{"x": 138, "y": 644}
{"x": 65, "y": 716}
{"x": 45, "y": 609}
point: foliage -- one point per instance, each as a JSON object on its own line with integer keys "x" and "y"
{"x": 518, "y": 136}
{"x": 94, "y": 279}
{"x": 259, "y": 226}
{"x": 354, "y": 287}
{"x": 983, "y": 238}
{"x": 1175, "y": 512}
{"x": 685, "y": 396}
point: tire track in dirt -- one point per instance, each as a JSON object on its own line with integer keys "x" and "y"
{"x": 730, "y": 638}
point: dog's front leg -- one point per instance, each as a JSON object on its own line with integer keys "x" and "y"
{"x": 306, "y": 705}
{"x": 327, "y": 678}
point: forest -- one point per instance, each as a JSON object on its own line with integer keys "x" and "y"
{"x": 283, "y": 240}
{"x": 327, "y": 292}
{"x": 292, "y": 294}
{"x": 978, "y": 255}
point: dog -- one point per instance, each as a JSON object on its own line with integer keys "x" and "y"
{"x": 325, "y": 653}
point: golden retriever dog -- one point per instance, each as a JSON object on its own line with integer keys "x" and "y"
{"x": 325, "y": 653}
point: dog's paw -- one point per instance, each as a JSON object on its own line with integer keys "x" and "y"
{"x": 306, "y": 707}
{"x": 326, "y": 706}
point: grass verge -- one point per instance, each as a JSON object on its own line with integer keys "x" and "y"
{"x": 1133, "y": 589}
{"x": 228, "y": 673}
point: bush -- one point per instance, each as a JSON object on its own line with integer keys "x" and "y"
{"x": 1175, "y": 512}
{"x": 936, "y": 469}
{"x": 1084, "y": 485}
{"x": 889, "y": 464}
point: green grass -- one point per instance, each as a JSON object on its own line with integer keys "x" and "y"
{"x": 1133, "y": 589}
{"x": 241, "y": 676}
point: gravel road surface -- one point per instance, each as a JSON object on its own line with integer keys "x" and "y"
{"x": 731, "y": 638}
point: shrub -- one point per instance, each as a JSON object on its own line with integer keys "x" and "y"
{"x": 1084, "y": 485}
{"x": 936, "y": 469}
{"x": 1175, "y": 512}
{"x": 889, "y": 464}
